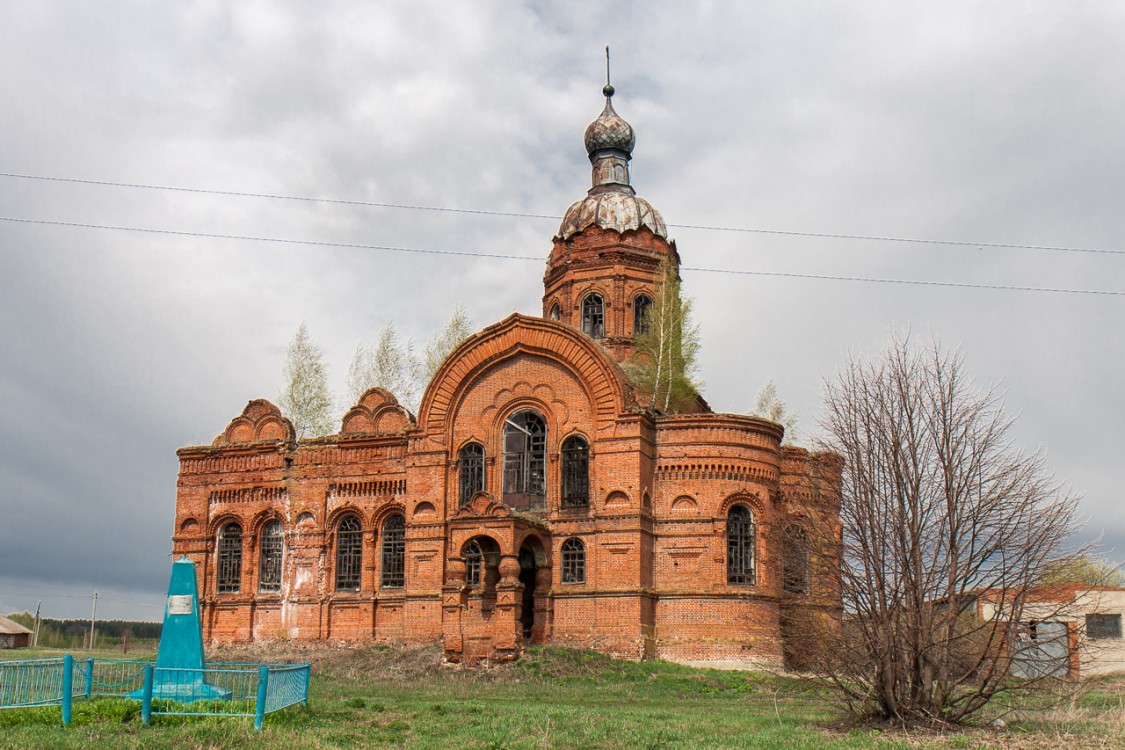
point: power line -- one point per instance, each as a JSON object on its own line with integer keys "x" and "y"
{"x": 503, "y": 256}
{"x": 525, "y": 215}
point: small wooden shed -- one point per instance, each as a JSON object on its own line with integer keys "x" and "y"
{"x": 13, "y": 635}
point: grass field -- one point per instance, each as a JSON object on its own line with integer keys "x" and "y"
{"x": 396, "y": 697}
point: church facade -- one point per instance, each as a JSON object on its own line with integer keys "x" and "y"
{"x": 534, "y": 499}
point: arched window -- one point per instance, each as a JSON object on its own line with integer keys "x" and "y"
{"x": 795, "y": 576}
{"x": 474, "y": 562}
{"x": 740, "y": 545}
{"x": 556, "y": 313}
{"x": 229, "y": 577}
{"x": 525, "y": 460}
{"x": 394, "y": 552}
{"x": 575, "y": 473}
{"x": 642, "y": 309}
{"x": 573, "y": 561}
{"x": 593, "y": 316}
{"x": 349, "y": 554}
{"x": 471, "y": 465}
{"x": 270, "y": 549}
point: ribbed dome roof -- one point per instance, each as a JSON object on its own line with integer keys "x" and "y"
{"x": 616, "y": 210}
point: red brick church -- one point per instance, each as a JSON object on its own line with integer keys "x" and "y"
{"x": 534, "y": 499}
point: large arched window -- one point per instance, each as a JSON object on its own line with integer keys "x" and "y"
{"x": 593, "y": 316}
{"x": 229, "y": 578}
{"x": 575, "y": 473}
{"x": 525, "y": 460}
{"x": 795, "y": 576}
{"x": 471, "y": 471}
{"x": 349, "y": 554}
{"x": 573, "y": 561}
{"x": 642, "y": 311}
{"x": 270, "y": 550}
{"x": 394, "y": 552}
{"x": 740, "y": 545}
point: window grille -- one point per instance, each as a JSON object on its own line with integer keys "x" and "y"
{"x": 525, "y": 460}
{"x": 795, "y": 577}
{"x": 349, "y": 554}
{"x": 593, "y": 316}
{"x": 471, "y": 465}
{"x": 230, "y": 559}
{"x": 642, "y": 310}
{"x": 474, "y": 559}
{"x": 394, "y": 552}
{"x": 575, "y": 473}
{"x": 573, "y": 561}
{"x": 270, "y": 550}
{"x": 740, "y": 546}
{"x": 1103, "y": 627}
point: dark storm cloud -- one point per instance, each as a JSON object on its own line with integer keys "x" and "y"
{"x": 997, "y": 124}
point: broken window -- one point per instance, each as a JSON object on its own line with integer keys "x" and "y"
{"x": 269, "y": 556}
{"x": 394, "y": 552}
{"x": 573, "y": 561}
{"x": 556, "y": 313}
{"x": 795, "y": 576}
{"x": 575, "y": 473}
{"x": 1103, "y": 627}
{"x": 471, "y": 466}
{"x": 474, "y": 561}
{"x": 593, "y": 316}
{"x": 740, "y": 546}
{"x": 230, "y": 559}
{"x": 349, "y": 554}
{"x": 525, "y": 461}
{"x": 642, "y": 308}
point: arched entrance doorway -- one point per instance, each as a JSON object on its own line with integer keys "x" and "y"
{"x": 532, "y": 558}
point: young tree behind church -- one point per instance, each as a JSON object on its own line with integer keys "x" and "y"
{"x": 305, "y": 399}
{"x": 665, "y": 360}
{"x": 390, "y": 364}
{"x": 769, "y": 405}
{"x": 441, "y": 344}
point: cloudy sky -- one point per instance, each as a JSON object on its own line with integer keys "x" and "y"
{"x": 992, "y": 124}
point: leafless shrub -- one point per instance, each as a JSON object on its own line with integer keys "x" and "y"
{"x": 946, "y": 525}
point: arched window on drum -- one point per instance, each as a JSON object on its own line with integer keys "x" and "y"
{"x": 741, "y": 534}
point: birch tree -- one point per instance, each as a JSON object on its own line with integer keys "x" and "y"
{"x": 664, "y": 363}
{"x": 769, "y": 405}
{"x": 390, "y": 364}
{"x": 441, "y": 344}
{"x": 305, "y": 399}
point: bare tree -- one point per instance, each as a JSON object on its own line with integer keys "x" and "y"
{"x": 305, "y": 398}
{"x": 946, "y": 527}
{"x": 665, "y": 360}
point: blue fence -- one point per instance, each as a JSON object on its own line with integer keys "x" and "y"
{"x": 219, "y": 689}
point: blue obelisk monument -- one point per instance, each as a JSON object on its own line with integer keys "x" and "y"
{"x": 179, "y": 659}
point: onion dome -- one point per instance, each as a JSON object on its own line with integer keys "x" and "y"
{"x": 611, "y": 202}
{"x": 609, "y": 131}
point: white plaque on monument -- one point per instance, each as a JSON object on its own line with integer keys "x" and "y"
{"x": 179, "y": 604}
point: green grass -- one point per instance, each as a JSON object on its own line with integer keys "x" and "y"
{"x": 553, "y": 698}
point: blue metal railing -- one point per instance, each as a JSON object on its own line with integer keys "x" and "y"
{"x": 218, "y": 689}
